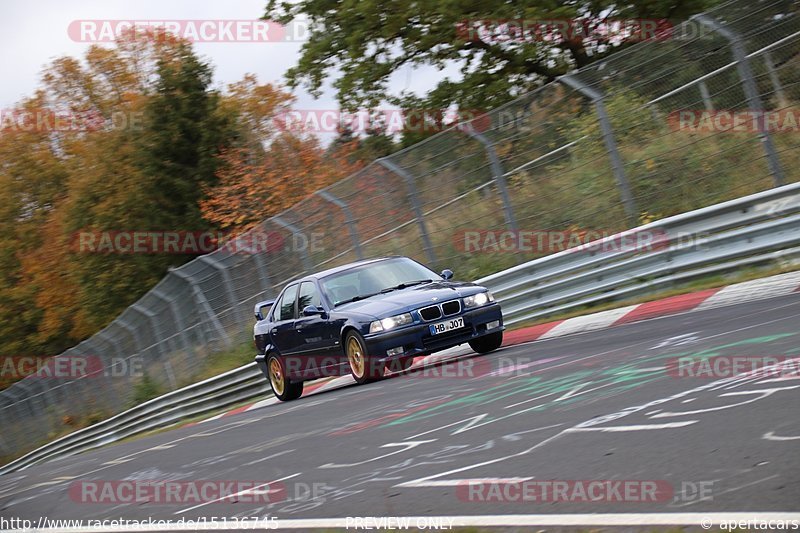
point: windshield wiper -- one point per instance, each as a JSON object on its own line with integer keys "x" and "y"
{"x": 405, "y": 285}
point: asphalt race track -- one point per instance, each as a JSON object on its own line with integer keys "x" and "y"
{"x": 599, "y": 406}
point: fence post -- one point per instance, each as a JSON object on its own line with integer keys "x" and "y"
{"x": 497, "y": 172}
{"x": 201, "y": 300}
{"x": 750, "y": 90}
{"x": 157, "y": 334}
{"x": 138, "y": 339}
{"x": 414, "y": 198}
{"x": 26, "y": 397}
{"x": 706, "y": 96}
{"x": 295, "y": 231}
{"x": 776, "y": 81}
{"x": 101, "y": 382}
{"x": 266, "y": 283}
{"x": 103, "y": 335}
{"x": 121, "y": 359}
{"x": 351, "y": 224}
{"x": 181, "y": 325}
{"x": 617, "y": 166}
{"x": 226, "y": 280}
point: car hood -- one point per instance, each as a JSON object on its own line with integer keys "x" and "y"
{"x": 400, "y": 301}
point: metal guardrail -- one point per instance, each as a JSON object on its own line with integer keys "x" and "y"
{"x": 756, "y": 228}
{"x": 232, "y": 387}
{"x": 753, "y": 229}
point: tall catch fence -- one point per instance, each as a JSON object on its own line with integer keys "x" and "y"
{"x": 603, "y": 149}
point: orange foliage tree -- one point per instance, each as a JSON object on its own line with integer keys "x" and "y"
{"x": 270, "y": 169}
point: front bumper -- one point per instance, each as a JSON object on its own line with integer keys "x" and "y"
{"x": 418, "y": 340}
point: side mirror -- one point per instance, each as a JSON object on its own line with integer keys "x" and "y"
{"x": 311, "y": 310}
{"x": 447, "y": 273}
{"x": 262, "y": 308}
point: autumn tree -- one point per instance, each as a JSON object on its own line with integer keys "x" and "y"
{"x": 32, "y": 182}
{"x": 162, "y": 151}
{"x": 140, "y": 164}
{"x": 269, "y": 169}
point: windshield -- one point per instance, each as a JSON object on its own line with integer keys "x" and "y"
{"x": 370, "y": 279}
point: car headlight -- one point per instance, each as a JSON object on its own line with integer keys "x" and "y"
{"x": 477, "y": 300}
{"x": 390, "y": 323}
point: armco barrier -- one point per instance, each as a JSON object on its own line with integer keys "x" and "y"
{"x": 757, "y": 228}
{"x": 750, "y": 230}
{"x": 227, "y": 389}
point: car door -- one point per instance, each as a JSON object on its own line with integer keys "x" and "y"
{"x": 282, "y": 333}
{"x": 315, "y": 342}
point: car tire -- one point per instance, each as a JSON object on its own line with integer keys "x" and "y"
{"x": 363, "y": 368}
{"x": 487, "y": 343}
{"x": 282, "y": 388}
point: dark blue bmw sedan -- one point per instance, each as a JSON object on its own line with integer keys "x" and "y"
{"x": 365, "y": 316}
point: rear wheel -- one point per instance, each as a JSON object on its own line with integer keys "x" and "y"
{"x": 487, "y": 343}
{"x": 283, "y": 389}
{"x": 363, "y": 368}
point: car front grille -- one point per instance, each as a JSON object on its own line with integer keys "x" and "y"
{"x": 453, "y": 307}
{"x": 430, "y": 313}
{"x": 435, "y": 312}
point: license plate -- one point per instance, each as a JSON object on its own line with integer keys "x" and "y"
{"x": 447, "y": 325}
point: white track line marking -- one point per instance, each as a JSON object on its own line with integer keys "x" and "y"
{"x": 476, "y": 481}
{"x": 284, "y": 452}
{"x": 231, "y": 496}
{"x": 406, "y": 446}
{"x": 636, "y": 427}
{"x": 531, "y": 399}
{"x": 772, "y": 436}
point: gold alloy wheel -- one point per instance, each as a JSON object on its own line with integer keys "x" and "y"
{"x": 355, "y": 355}
{"x": 276, "y": 376}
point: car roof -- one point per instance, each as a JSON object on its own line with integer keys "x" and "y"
{"x": 336, "y": 270}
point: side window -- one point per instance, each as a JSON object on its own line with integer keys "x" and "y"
{"x": 287, "y": 303}
{"x": 276, "y": 310}
{"x": 308, "y": 296}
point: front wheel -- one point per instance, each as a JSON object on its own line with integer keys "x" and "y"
{"x": 283, "y": 389}
{"x": 487, "y": 343}
{"x": 363, "y": 368}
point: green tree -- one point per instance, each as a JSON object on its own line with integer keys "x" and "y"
{"x": 365, "y": 42}
{"x": 154, "y": 181}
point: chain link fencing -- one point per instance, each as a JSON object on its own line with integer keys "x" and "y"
{"x": 603, "y": 149}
